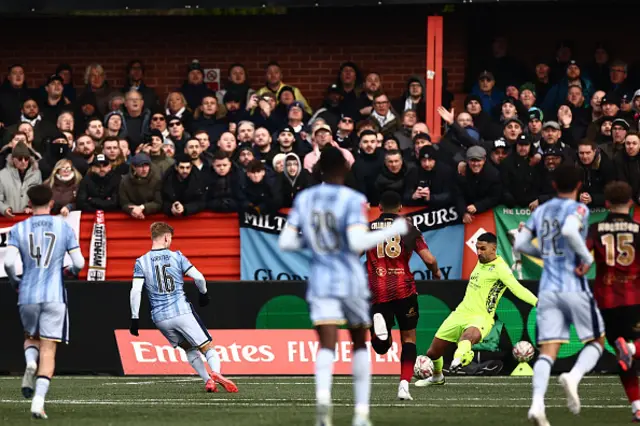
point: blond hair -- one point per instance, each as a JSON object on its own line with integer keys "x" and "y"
{"x": 77, "y": 177}
{"x": 159, "y": 229}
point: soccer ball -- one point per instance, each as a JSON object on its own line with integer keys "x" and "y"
{"x": 423, "y": 368}
{"x": 523, "y": 351}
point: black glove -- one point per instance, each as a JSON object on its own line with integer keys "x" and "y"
{"x": 133, "y": 329}
{"x": 203, "y": 299}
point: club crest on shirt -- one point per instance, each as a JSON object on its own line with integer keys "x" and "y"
{"x": 381, "y": 272}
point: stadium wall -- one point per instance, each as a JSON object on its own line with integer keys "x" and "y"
{"x": 250, "y": 318}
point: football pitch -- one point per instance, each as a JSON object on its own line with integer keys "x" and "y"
{"x": 496, "y": 401}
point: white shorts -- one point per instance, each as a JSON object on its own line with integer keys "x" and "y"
{"x": 557, "y": 311}
{"x": 330, "y": 310}
{"x": 48, "y": 321}
{"x": 187, "y": 327}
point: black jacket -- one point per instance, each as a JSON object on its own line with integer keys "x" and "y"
{"x": 99, "y": 193}
{"x": 595, "y": 177}
{"x": 214, "y": 127}
{"x": 291, "y": 185}
{"x": 396, "y": 182}
{"x": 454, "y": 144}
{"x": 483, "y": 190}
{"x": 521, "y": 181}
{"x": 148, "y": 94}
{"x": 366, "y": 169}
{"x": 189, "y": 192}
{"x": 441, "y": 184}
{"x": 222, "y": 191}
{"x": 628, "y": 170}
{"x": 11, "y": 102}
{"x": 264, "y": 196}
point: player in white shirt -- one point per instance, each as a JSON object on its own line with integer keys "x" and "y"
{"x": 564, "y": 296}
{"x": 161, "y": 271}
{"x": 330, "y": 219}
{"x": 41, "y": 243}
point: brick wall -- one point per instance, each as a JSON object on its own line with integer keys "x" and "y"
{"x": 308, "y": 45}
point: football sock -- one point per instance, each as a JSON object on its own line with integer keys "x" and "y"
{"x": 42, "y": 386}
{"x": 636, "y": 349}
{"x": 407, "y": 361}
{"x": 635, "y": 406}
{"x": 213, "y": 359}
{"x": 589, "y": 356}
{"x": 631, "y": 386}
{"x": 541, "y": 373}
{"x": 381, "y": 347}
{"x": 193, "y": 355}
{"x": 361, "y": 381}
{"x": 464, "y": 346}
{"x": 31, "y": 354}
{"x": 324, "y": 375}
{"x": 437, "y": 366}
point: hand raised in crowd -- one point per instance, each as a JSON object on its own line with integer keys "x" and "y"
{"x": 467, "y": 218}
{"x": 447, "y": 116}
{"x": 265, "y": 108}
{"x": 64, "y": 211}
{"x": 471, "y": 209}
{"x": 535, "y": 160}
{"x": 253, "y": 102}
{"x": 565, "y": 116}
{"x": 462, "y": 168}
{"x": 532, "y": 206}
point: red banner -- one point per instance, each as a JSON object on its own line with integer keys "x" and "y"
{"x": 248, "y": 352}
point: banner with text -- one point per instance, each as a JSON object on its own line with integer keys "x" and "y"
{"x": 248, "y": 352}
{"x": 524, "y": 266}
{"x": 73, "y": 219}
{"x": 261, "y": 259}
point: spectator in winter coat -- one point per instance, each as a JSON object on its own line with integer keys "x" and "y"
{"x": 237, "y": 82}
{"x": 322, "y": 136}
{"x": 206, "y": 119}
{"x": 345, "y": 135}
{"x": 194, "y": 88}
{"x": 414, "y": 98}
{"x": 490, "y": 96}
{"x": 113, "y": 153}
{"x": 331, "y": 110}
{"x": 395, "y": 175}
{"x": 520, "y": 177}
{"x": 140, "y": 191}
{"x": 551, "y": 136}
{"x": 627, "y": 164}
{"x": 176, "y": 106}
{"x": 372, "y": 85}
{"x": 66, "y": 73}
{"x": 64, "y": 182}
{"x": 20, "y": 174}
{"x": 31, "y": 114}
{"x": 55, "y": 149}
{"x": 482, "y": 120}
{"x": 349, "y": 81}
{"x": 98, "y": 190}
{"x": 13, "y": 94}
{"x": 273, "y": 78}
{"x": 177, "y": 133}
{"x": 224, "y": 181}
{"x": 115, "y": 125}
{"x": 245, "y": 156}
{"x": 432, "y": 184}
{"x": 159, "y": 159}
{"x": 98, "y": 86}
{"x": 368, "y": 164}
{"x": 597, "y": 171}
{"x": 260, "y": 193}
{"x": 619, "y": 130}
{"x": 137, "y": 118}
{"x": 135, "y": 81}
{"x": 17, "y": 137}
{"x": 385, "y": 115}
{"x": 618, "y": 82}
{"x": 236, "y": 113}
{"x": 262, "y": 147}
{"x": 295, "y": 179}
{"x": 183, "y": 189}
{"x": 194, "y": 152}
{"x": 459, "y": 137}
{"x": 552, "y": 158}
{"x": 558, "y": 93}
{"x": 53, "y": 102}
{"x": 403, "y": 135}
{"x": 480, "y": 186}
{"x": 83, "y": 155}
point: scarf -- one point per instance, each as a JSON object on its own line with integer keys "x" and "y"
{"x": 65, "y": 178}
{"x": 177, "y": 114}
{"x": 33, "y": 122}
{"x": 383, "y": 120}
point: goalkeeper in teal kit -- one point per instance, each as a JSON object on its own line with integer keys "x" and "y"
{"x": 473, "y": 318}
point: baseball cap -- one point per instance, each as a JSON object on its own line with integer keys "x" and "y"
{"x": 333, "y": 89}
{"x": 54, "y": 77}
{"x": 100, "y": 159}
{"x": 512, "y": 120}
{"x": 140, "y": 159}
{"x": 421, "y": 135}
{"x": 322, "y": 127}
{"x": 552, "y": 124}
{"x": 477, "y": 153}
{"x": 611, "y": 99}
{"x": 298, "y": 104}
{"x": 286, "y": 129}
{"x": 536, "y": 113}
{"x": 621, "y": 122}
{"x": 523, "y": 139}
{"x": 553, "y": 150}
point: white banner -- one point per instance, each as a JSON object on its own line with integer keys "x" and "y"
{"x": 98, "y": 250}
{"x": 73, "y": 219}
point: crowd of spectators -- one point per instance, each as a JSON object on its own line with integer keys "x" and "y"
{"x": 255, "y": 148}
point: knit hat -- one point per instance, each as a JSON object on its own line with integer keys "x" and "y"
{"x": 157, "y": 133}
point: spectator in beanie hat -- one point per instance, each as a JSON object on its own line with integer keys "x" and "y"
{"x": 534, "y": 127}
{"x": 273, "y": 77}
{"x": 619, "y": 130}
{"x": 194, "y": 88}
{"x": 520, "y": 177}
{"x": 20, "y": 174}
{"x": 610, "y": 105}
{"x": 261, "y": 192}
{"x": 245, "y": 155}
{"x": 598, "y": 69}
{"x": 431, "y": 184}
{"x": 233, "y": 103}
{"x": 414, "y": 98}
{"x": 528, "y": 95}
{"x": 482, "y": 120}
{"x": 480, "y": 186}
{"x": 140, "y": 190}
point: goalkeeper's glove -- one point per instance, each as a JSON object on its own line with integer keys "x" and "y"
{"x": 133, "y": 329}
{"x": 203, "y": 299}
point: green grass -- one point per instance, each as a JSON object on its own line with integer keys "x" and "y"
{"x": 495, "y": 401}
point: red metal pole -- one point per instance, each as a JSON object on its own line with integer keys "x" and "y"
{"x": 434, "y": 52}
